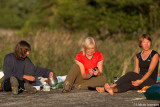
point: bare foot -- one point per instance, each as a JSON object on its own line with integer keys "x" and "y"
{"x": 108, "y": 88}
{"x": 113, "y": 85}
{"x": 100, "y": 89}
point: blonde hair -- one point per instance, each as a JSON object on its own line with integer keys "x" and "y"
{"x": 88, "y": 43}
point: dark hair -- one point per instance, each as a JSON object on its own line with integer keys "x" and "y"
{"x": 142, "y": 37}
{"x": 21, "y": 48}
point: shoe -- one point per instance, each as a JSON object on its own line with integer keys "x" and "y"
{"x": 14, "y": 85}
{"x": 30, "y": 89}
{"x": 66, "y": 88}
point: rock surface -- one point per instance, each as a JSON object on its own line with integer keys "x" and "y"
{"x": 83, "y": 98}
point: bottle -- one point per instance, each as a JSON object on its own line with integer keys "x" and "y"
{"x": 115, "y": 79}
{"x": 46, "y": 87}
{"x": 60, "y": 85}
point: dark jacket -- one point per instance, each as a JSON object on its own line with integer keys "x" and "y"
{"x": 18, "y": 68}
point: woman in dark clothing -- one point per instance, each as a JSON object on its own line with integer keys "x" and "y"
{"x": 19, "y": 70}
{"x": 147, "y": 61}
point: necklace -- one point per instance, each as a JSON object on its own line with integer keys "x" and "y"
{"x": 89, "y": 58}
{"x": 145, "y": 55}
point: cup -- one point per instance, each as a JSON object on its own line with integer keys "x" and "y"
{"x": 37, "y": 87}
{"x": 52, "y": 81}
{"x": 46, "y": 88}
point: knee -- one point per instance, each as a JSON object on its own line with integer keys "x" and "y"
{"x": 101, "y": 79}
{"x": 131, "y": 73}
{"x": 75, "y": 67}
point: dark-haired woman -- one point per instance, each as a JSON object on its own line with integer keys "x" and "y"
{"x": 19, "y": 70}
{"x": 145, "y": 70}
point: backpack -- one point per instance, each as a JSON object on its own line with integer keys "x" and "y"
{"x": 153, "y": 92}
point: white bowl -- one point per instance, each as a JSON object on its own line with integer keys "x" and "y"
{"x": 37, "y": 87}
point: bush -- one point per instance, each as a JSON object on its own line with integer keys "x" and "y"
{"x": 96, "y": 17}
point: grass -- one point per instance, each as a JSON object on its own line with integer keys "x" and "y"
{"x": 57, "y": 50}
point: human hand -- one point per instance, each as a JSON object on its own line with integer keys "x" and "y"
{"x": 137, "y": 82}
{"x": 91, "y": 71}
{"x": 29, "y": 78}
{"x": 51, "y": 74}
{"x": 96, "y": 71}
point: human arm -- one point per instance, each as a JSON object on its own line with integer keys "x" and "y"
{"x": 8, "y": 66}
{"x": 35, "y": 71}
{"x": 42, "y": 72}
{"x": 99, "y": 71}
{"x": 150, "y": 70}
{"x": 84, "y": 75}
{"x": 29, "y": 78}
{"x": 51, "y": 74}
{"x": 32, "y": 78}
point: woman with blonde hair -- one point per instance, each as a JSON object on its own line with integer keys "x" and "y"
{"x": 145, "y": 70}
{"x": 87, "y": 70}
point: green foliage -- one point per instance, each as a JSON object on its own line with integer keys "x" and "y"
{"x": 57, "y": 50}
{"x": 102, "y": 17}
{"x": 118, "y": 16}
{"x": 76, "y": 16}
{"x": 14, "y": 13}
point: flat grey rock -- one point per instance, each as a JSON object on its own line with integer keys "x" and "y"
{"x": 75, "y": 98}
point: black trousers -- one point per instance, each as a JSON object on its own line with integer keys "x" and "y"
{"x": 7, "y": 84}
{"x": 125, "y": 82}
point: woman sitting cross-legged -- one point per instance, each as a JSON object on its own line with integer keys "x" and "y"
{"x": 87, "y": 70}
{"x": 145, "y": 70}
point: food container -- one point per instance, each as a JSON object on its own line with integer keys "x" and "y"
{"x": 37, "y": 87}
{"x": 115, "y": 79}
{"x": 46, "y": 88}
{"x": 52, "y": 81}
